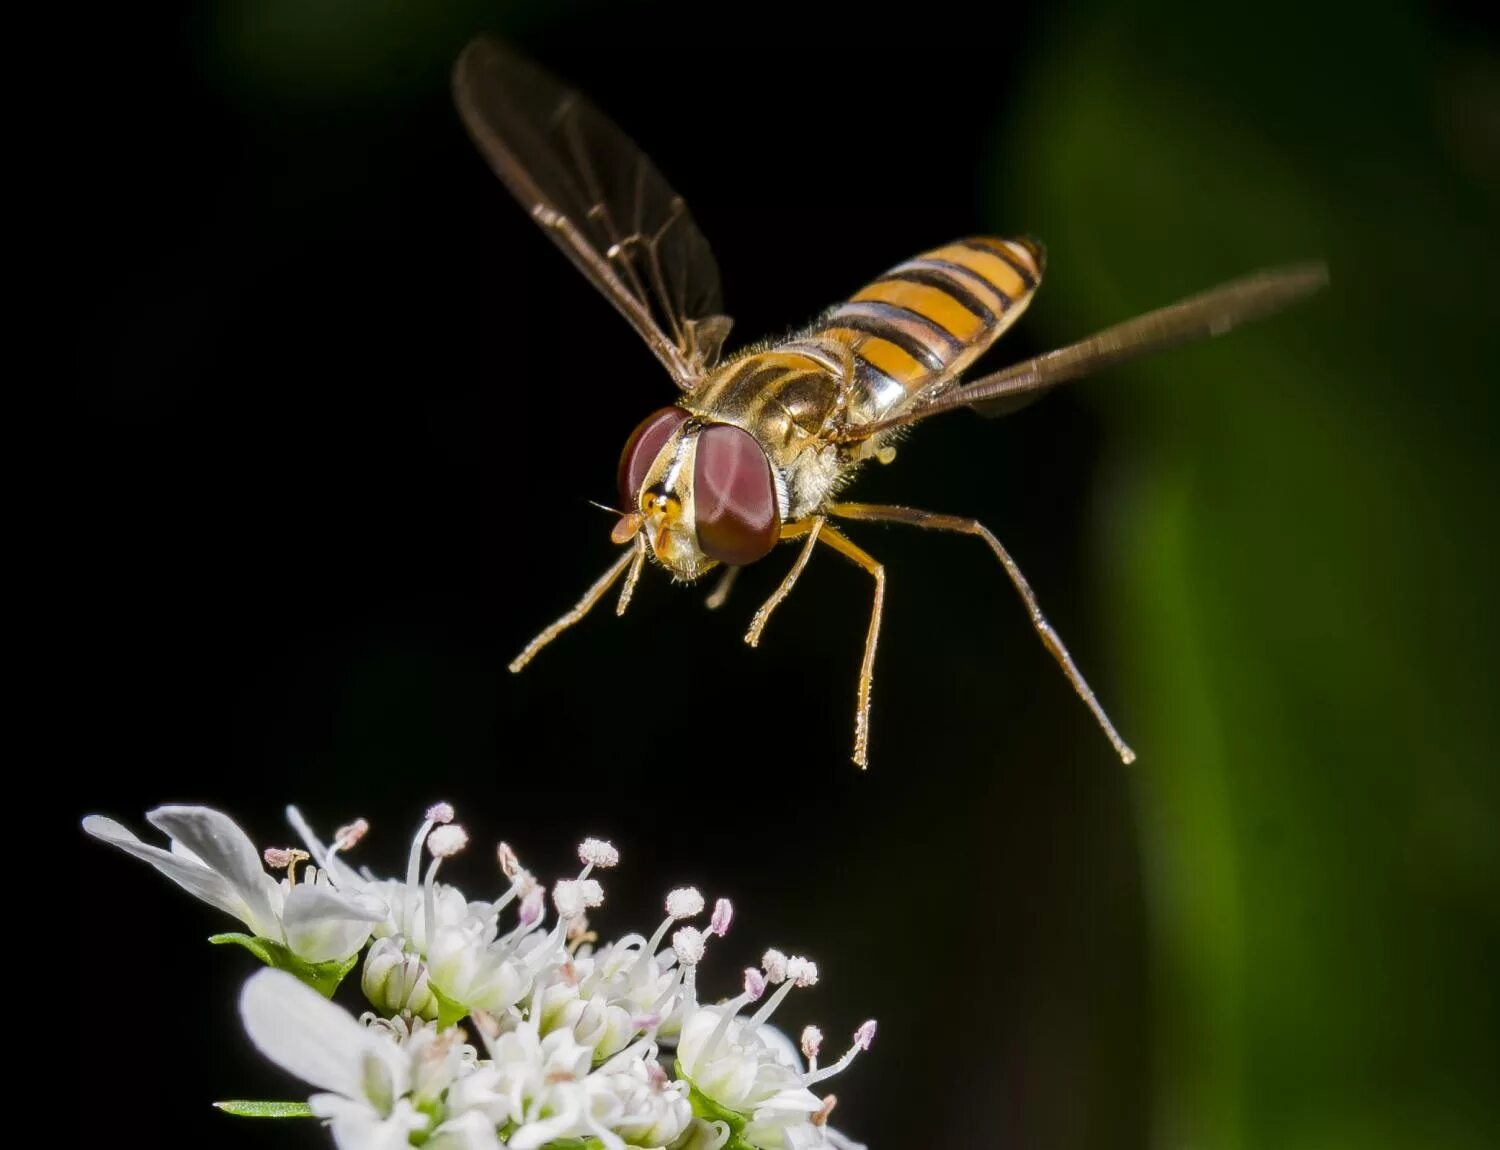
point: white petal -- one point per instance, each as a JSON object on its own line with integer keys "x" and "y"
{"x": 300, "y": 1030}
{"x": 843, "y": 1141}
{"x": 184, "y": 870}
{"x": 323, "y": 924}
{"x": 565, "y": 1120}
{"x": 471, "y": 1131}
{"x": 217, "y": 840}
{"x": 357, "y": 1127}
{"x": 782, "y": 1046}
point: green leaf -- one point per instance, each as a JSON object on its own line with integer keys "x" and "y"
{"x": 324, "y": 977}
{"x": 449, "y": 1010}
{"x": 706, "y": 1107}
{"x": 245, "y": 1108}
{"x": 574, "y": 1144}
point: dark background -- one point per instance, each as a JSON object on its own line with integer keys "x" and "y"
{"x": 345, "y": 404}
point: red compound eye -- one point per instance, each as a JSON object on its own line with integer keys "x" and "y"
{"x": 641, "y": 449}
{"x": 734, "y": 497}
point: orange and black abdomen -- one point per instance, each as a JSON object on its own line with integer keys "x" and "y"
{"x": 928, "y": 319}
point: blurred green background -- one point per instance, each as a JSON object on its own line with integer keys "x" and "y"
{"x": 335, "y": 355}
{"x": 1300, "y": 571}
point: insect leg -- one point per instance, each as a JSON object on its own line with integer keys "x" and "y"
{"x": 590, "y": 597}
{"x": 1050, "y": 638}
{"x": 810, "y": 528}
{"x": 836, "y": 539}
{"x": 720, "y": 593}
{"x": 636, "y": 564}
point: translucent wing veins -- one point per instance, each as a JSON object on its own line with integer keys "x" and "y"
{"x": 584, "y": 181}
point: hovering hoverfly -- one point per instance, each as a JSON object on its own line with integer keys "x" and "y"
{"x": 758, "y": 446}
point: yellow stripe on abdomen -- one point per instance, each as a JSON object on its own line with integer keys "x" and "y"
{"x": 988, "y": 265}
{"x": 883, "y": 355}
{"x": 932, "y": 303}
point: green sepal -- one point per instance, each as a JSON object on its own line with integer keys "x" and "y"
{"x": 324, "y": 977}
{"x": 449, "y": 1010}
{"x": 706, "y": 1108}
{"x": 574, "y": 1144}
{"x": 245, "y": 1108}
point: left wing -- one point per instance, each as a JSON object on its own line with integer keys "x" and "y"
{"x": 601, "y": 200}
{"x": 1211, "y": 313}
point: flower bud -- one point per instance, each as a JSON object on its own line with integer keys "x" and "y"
{"x": 395, "y": 981}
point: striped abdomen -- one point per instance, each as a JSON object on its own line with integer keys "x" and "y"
{"x": 926, "y": 320}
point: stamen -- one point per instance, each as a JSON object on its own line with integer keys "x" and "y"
{"x": 863, "y": 1037}
{"x": 447, "y": 841}
{"x": 773, "y": 962}
{"x": 755, "y": 986}
{"x": 685, "y": 902}
{"x": 286, "y": 858}
{"x": 574, "y": 896}
{"x": 598, "y": 853}
{"x": 346, "y": 837}
{"x": 510, "y": 865}
{"x": 533, "y": 904}
{"x": 821, "y": 1117}
{"x": 436, "y": 814}
{"x": 443, "y": 842}
{"x": 688, "y": 944}
{"x": 812, "y": 1042}
{"x": 723, "y": 915}
{"x": 795, "y": 971}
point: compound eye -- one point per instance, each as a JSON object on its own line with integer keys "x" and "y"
{"x": 641, "y": 449}
{"x": 734, "y": 497}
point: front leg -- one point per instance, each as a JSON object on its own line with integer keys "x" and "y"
{"x": 816, "y": 529}
{"x": 1050, "y": 638}
{"x": 809, "y": 527}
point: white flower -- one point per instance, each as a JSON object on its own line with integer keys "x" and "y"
{"x": 571, "y": 1034}
{"x": 375, "y": 1092}
{"x": 211, "y": 857}
{"x": 653, "y": 1109}
{"x": 752, "y": 1068}
{"x": 539, "y": 1087}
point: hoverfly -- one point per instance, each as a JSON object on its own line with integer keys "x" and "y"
{"x": 758, "y": 447}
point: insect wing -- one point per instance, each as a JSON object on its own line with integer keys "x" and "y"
{"x": 1198, "y": 317}
{"x": 601, "y": 199}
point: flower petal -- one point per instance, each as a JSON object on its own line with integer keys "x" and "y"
{"x": 217, "y": 840}
{"x": 187, "y": 872}
{"x": 324, "y": 925}
{"x": 301, "y": 1031}
{"x": 471, "y": 1131}
{"x": 356, "y": 1127}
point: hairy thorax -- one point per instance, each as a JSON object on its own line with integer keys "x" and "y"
{"x": 793, "y": 398}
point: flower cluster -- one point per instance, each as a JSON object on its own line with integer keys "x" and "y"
{"x": 491, "y": 1026}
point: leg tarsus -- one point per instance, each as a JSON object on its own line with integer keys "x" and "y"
{"x": 1049, "y": 636}
{"x": 590, "y": 597}
{"x": 846, "y": 547}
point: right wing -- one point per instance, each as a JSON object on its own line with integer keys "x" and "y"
{"x": 1212, "y": 313}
